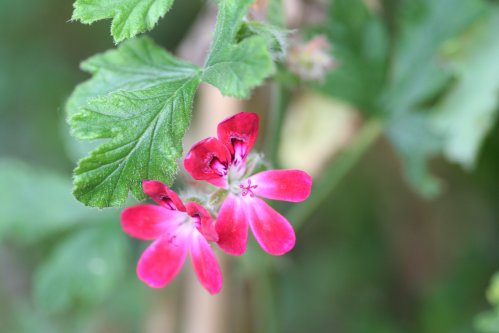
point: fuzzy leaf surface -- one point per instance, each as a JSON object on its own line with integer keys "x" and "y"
{"x": 129, "y": 17}
{"x": 143, "y": 105}
{"x": 236, "y": 67}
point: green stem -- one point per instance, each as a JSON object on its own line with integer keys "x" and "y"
{"x": 279, "y": 102}
{"x": 264, "y": 303}
{"x": 325, "y": 185}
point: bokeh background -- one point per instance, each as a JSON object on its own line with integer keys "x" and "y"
{"x": 380, "y": 251}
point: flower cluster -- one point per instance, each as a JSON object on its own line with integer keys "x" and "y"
{"x": 178, "y": 229}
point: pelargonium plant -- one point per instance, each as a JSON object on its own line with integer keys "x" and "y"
{"x": 178, "y": 228}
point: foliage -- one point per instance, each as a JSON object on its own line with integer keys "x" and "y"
{"x": 129, "y": 17}
{"x": 87, "y": 264}
{"x": 83, "y": 269}
{"x": 141, "y": 97}
{"x": 477, "y": 71}
{"x": 51, "y": 210}
{"x": 407, "y": 80}
{"x": 143, "y": 104}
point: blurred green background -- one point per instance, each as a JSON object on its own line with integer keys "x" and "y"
{"x": 376, "y": 256}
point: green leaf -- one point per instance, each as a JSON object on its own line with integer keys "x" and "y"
{"x": 83, "y": 269}
{"x": 236, "y": 68}
{"x": 468, "y": 112}
{"x": 130, "y": 17}
{"x": 418, "y": 72}
{"x": 418, "y": 77}
{"x": 35, "y": 203}
{"x": 137, "y": 64}
{"x": 145, "y": 113}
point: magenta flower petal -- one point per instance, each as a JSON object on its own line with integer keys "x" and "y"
{"x": 162, "y": 194}
{"x": 239, "y": 133}
{"x": 286, "y": 185}
{"x": 204, "y": 222}
{"x": 205, "y": 263}
{"x": 208, "y": 160}
{"x": 272, "y": 231}
{"x": 162, "y": 261}
{"x": 232, "y": 225}
{"x": 150, "y": 221}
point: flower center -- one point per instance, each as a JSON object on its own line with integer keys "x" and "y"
{"x": 218, "y": 167}
{"x": 247, "y": 189}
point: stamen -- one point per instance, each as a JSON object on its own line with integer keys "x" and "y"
{"x": 247, "y": 189}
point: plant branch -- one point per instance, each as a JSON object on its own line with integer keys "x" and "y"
{"x": 337, "y": 170}
{"x": 279, "y": 101}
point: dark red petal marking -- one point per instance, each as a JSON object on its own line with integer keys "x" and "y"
{"x": 203, "y": 220}
{"x": 232, "y": 225}
{"x": 286, "y": 185}
{"x": 208, "y": 159}
{"x": 150, "y": 221}
{"x": 162, "y": 261}
{"x": 205, "y": 263}
{"x": 163, "y": 195}
{"x": 272, "y": 231}
{"x": 239, "y": 133}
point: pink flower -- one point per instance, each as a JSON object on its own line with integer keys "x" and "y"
{"x": 176, "y": 229}
{"x": 222, "y": 162}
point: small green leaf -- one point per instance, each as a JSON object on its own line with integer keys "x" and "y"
{"x": 239, "y": 68}
{"x": 145, "y": 114}
{"x": 83, "y": 269}
{"x": 130, "y": 17}
{"x": 236, "y": 68}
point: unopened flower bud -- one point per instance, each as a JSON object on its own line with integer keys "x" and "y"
{"x": 311, "y": 60}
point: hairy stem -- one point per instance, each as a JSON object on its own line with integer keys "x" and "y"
{"x": 325, "y": 185}
{"x": 279, "y": 100}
